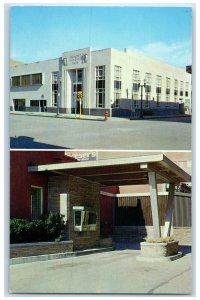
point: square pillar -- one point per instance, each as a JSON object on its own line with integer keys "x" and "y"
{"x": 170, "y": 207}
{"x": 64, "y": 206}
{"x": 154, "y": 204}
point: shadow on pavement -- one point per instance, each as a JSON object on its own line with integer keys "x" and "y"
{"x": 136, "y": 246}
{"x": 124, "y": 246}
{"x": 185, "y": 249}
{"x": 25, "y": 142}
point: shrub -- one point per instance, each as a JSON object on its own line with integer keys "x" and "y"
{"x": 48, "y": 228}
{"x": 54, "y": 225}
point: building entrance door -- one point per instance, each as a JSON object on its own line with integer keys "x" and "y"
{"x": 19, "y": 104}
{"x": 77, "y": 89}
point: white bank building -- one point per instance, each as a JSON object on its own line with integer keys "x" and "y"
{"x": 123, "y": 83}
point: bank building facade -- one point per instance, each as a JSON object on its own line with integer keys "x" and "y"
{"x": 122, "y": 83}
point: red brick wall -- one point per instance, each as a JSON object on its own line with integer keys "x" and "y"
{"x": 80, "y": 193}
{"x": 21, "y": 180}
{"x": 106, "y": 210}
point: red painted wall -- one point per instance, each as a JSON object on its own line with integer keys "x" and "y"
{"x": 21, "y": 180}
{"x": 106, "y": 210}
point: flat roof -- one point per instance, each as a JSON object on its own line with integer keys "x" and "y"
{"x": 123, "y": 171}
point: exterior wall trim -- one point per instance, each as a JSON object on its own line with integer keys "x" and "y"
{"x": 142, "y": 194}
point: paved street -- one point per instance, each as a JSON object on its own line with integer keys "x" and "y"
{"x": 108, "y": 273}
{"x": 37, "y": 132}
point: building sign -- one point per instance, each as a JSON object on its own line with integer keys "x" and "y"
{"x": 77, "y": 59}
{"x": 82, "y": 155}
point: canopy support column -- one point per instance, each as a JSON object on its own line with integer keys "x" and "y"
{"x": 154, "y": 204}
{"x": 170, "y": 207}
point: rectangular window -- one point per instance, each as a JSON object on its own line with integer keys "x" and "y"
{"x": 26, "y": 80}
{"x": 175, "y": 91}
{"x": 84, "y": 219}
{"x": 147, "y": 89}
{"x": 135, "y": 90}
{"x": 37, "y": 78}
{"x": 34, "y": 102}
{"x": 135, "y": 87}
{"x": 80, "y": 75}
{"x": 117, "y": 85}
{"x": 136, "y": 80}
{"x": 148, "y": 79}
{"x": 168, "y": 83}
{"x": 100, "y": 73}
{"x": 158, "y": 89}
{"x": 15, "y": 81}
{"x": 36, "y": 202}
{"x": 186, "y": 89}
{"x": 54, "y": 88}
{"x": 167, "y": 91}
{"x": 135, "y": 103}
{"x": 181, "y": 88}
{"x": 100, "y": 86}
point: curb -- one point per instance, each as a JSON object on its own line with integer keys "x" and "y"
{"x": 29, "y": 259}
{"x": 55, "y": 116}
{"x": 97, "y": 118}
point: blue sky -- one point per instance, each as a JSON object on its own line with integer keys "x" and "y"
{"x": 45, "y": 32}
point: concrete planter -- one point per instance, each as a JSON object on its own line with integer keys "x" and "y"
{"x": 159, "y": 251}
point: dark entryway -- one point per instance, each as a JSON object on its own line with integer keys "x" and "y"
{"x": 128, "y": 212}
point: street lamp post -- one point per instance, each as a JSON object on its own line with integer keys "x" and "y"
{"x": 141, "y": 95}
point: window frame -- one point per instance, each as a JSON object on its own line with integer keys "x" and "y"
{"x": 100, "y": 81}
{"x": 41, "y": 201}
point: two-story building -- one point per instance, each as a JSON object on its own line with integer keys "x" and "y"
{"x": 92, "y": 82}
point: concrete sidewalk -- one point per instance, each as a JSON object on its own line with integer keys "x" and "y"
{"x": 44, "y": 257}
{"x": 93, "y": 117}
{"x": 115, "y": 272}
{"x": 64, "y": 116}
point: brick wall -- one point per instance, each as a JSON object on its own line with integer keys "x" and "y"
{"x": 33, "y": 249}
{"x": 57, "y": 185}
{"x": 183, "y": 235}
{"x": 79, "y": 192}
{"x": 84, "y": 193}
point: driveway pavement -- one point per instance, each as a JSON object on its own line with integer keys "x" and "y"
{"x": 39, "y": 132}
{"x": 115, "y": 272}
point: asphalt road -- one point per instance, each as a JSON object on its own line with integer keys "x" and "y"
{"x": 115, "y": 272}
{"x": 35, "y": 132}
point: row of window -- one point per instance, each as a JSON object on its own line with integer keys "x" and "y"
{"x": 159, "y": 90}
{"x": 26, "y": 80}
{"x": 32, "y": 79}
{"x": 100, "y": 87}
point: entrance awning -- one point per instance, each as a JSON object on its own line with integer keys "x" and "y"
{"x": 123, "y": 171}
{"x": 139, "y": 170}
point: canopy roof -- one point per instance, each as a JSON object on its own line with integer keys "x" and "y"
{"x": 123, "y": 171}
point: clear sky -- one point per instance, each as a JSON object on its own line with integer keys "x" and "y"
{"x": 45, "y": 32}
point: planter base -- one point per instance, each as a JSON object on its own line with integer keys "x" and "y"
{"x": 159, "y": 252}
